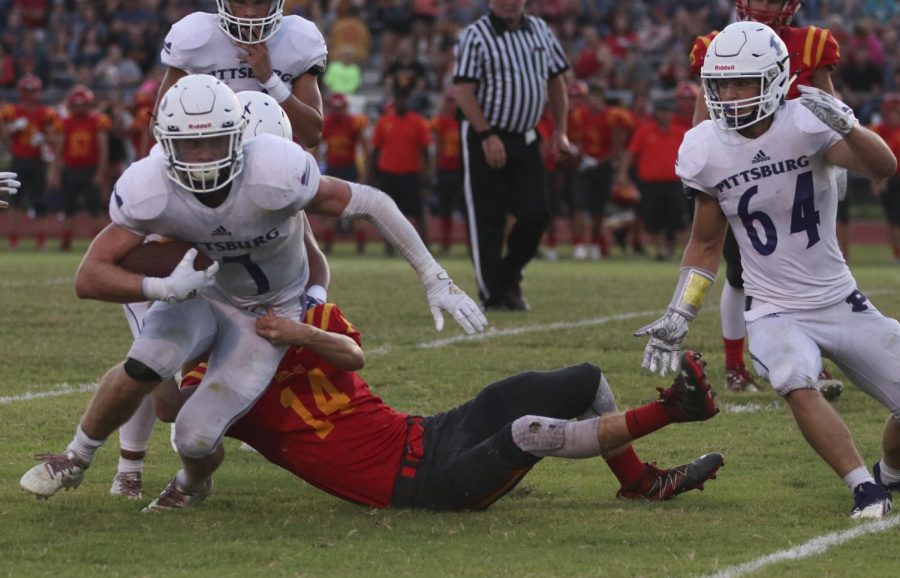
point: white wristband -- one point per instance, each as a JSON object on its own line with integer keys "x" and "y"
{"x": 276, "y": 88}
{"x": 154, "y": 288}
{"x": 318, "y": 293}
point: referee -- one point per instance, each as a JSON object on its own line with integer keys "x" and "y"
{"x": 508, "y": 64}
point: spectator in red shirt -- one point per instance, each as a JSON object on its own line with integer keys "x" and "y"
{"x": 402, "y": 138}
{"x": 654, "y": 147}
{"x": 82, "y": 160}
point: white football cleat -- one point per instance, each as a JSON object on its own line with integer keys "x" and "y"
{"x": 128, "y": 485}
{"x": 55, "y": 472}
{"x": 174, "y": 498}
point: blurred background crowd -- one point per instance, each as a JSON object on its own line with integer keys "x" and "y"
{"x": 638, "y": 50}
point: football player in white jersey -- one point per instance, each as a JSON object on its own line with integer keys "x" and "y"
{"x": 765, "y": 166}
{"x": 8, "y": 185}
{"x": 251, "y": 45}
{"x": 264, "y": 116}
{"x": 243, "y": 206}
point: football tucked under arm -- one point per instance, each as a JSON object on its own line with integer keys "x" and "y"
{"x": 159, "y": 258}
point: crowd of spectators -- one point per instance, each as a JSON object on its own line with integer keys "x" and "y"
{"x": 638, "y": 49}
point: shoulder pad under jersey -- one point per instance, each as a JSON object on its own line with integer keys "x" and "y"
{"x": 182, "y": 47}
{"x": 278, "y": 173}
{"x": 142, "y": 192}
{"x": 307, "y": 41}
{"x": 693, "y": 152}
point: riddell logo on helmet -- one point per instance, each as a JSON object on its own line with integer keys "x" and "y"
{"x": 199, "y": 126}
{"x": 724, "y": 67}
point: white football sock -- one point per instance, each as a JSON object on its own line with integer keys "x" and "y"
{"x": 731, "y": 307}
{"x": 135, "y": 432}
{"x": 84, "y": 447}
{"x": 858, "y": 476}
{"x": 889, "y": 475}
{"x": 130, "y": 466}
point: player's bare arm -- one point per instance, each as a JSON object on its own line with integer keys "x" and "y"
{"x": 558, "y": 97}
{"x": 704, "y": 248}
{"x": 100, "y": 277}
{"x": 338, "y": 350}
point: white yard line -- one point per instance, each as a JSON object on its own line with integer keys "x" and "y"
{"x": 490, "y": 334}
{"x": 811, "y": 548}
{"x": 63, "y": 389}
{"x": 51, "y": 282}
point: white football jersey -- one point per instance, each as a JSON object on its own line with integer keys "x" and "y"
{"x": 198, "y": 45}
{"x": 779, "y": 196}
{"x": 256, "y": 235}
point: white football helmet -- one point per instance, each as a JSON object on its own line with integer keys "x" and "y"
{"x": 264, "y": 115}
{"x": 250, "y": 30}
{"x": 746, "y": 50}
{"x": 200, "y": 126}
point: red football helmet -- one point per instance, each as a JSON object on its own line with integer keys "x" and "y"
{"x": 890, "y": 102}
{"x": 29, "y": 83}
{"x": 687, "y": 89}
{"x": 81, "y": 98}
{"x": 773, "y": 18}
{"x": 625, "y": 195}
{"x": 338, "y": 102}
{"x": 577, "y": 89}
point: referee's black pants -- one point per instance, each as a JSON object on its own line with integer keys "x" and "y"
{"x": 519, "y": 189}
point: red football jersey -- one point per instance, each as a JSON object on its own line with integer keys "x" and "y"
{"x": 142, "y": 123}
{"x": 891, "y": 135}
{"x": 810, "y": 48}
{"x": 40, "y": 119}
{"x": 446, "y": 131}
{"x": 402, "y": 139}
{"x": 81, "y": 134}
{"x": 325, "y": 425}
{"x": 545, "y": 129}
{"x": 342, "y": 134}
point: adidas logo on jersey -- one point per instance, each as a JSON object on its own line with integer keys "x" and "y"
{"x": 220, "y": 230}
{"x": 760, "y": 157}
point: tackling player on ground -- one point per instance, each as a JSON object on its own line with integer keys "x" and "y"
{"x": 813, "y": 55}
{"x": 765, "y": 167}
{"x": 319, "y": 420}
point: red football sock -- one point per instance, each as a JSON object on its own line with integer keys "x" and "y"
{"x": 40, "y": 240}
{"x": 734, "y": 352}
{"x": 446, "y": 229}
{"x": 13, "y": 240}
{"x": 66, "y": 240}
{"x": 627, "y": 466}
{"x": 577, "y": 240}
{"x": 646, "y": 419}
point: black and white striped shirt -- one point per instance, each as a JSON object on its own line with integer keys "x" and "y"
{"x": 511, "y": 67}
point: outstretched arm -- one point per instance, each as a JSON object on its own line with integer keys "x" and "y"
{"x": 337, "y": 198}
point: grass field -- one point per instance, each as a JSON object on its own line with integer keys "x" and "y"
{"x": 564, "y": 520}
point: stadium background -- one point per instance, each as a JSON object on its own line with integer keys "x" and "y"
{"x": 638, "y": 48}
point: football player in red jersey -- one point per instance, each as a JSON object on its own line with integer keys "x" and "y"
{"x": 448, "y": 167}
{"x": 82, "y": 160}
{"x": 142, "y": 111}
{"x": 888, "y": 190}
{"x": 319, "y": 420}
{"x": 28, "y": 127}
{"x": 814, "y": 54}
{"x": 344, "y": 138}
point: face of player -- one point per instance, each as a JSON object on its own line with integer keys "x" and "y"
{"x": 731, "y": 89}
{"x": 202, "y": 150}
{"x": 250, "y": 9}
{"x": 765, "y": 11}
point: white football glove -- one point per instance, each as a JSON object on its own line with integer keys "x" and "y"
{"x": 664, "y": 348}
{"x": 837, "y": 115}
{"x": 9, "y": 184}
{"x": 184, "y": 282}
{"x": 443, "y": 294}
{"x": 18, "y": 124}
